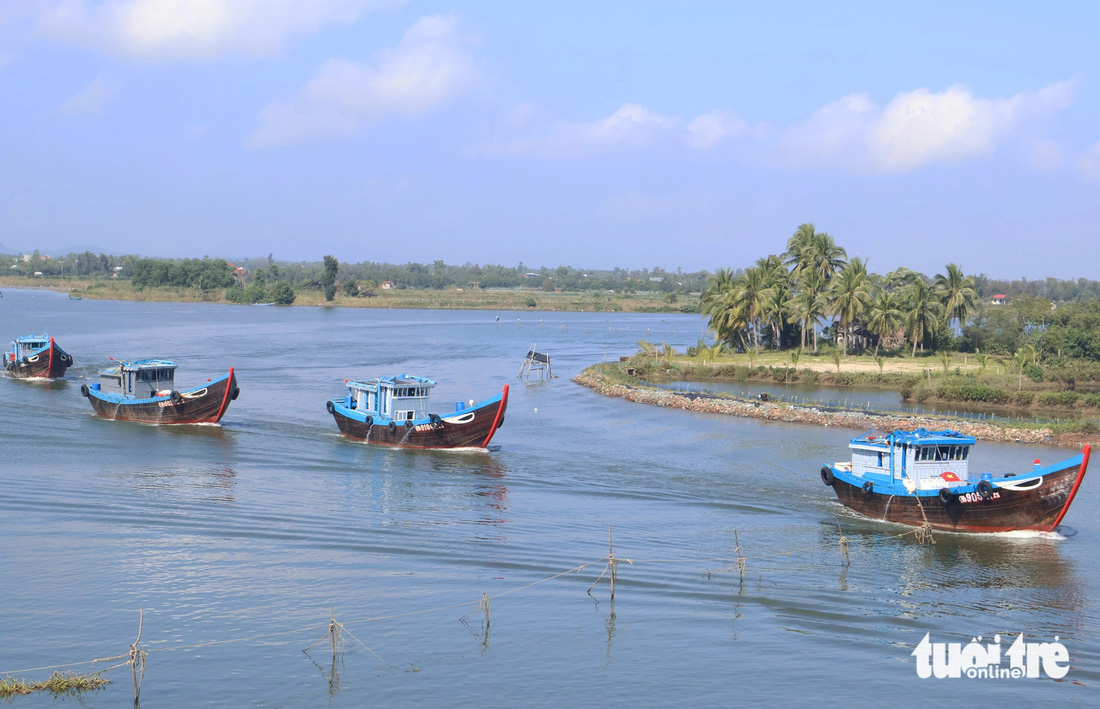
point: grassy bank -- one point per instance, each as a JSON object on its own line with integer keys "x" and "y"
{"x": 991, "y": 384}
{"x": 446, "y": 299}
{"x": 625, "y": 380}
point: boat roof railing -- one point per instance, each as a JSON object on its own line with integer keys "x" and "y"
{"x": 401, "y": 380}
{"x": 920, "y": 436}
{"x": 140, "y": 365}
{"x": 33, "y": 337}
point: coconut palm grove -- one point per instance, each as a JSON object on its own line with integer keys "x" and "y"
{"x": 813, "y": 295}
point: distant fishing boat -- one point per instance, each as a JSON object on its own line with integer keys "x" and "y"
{"x": 145, "y": 391}
{"x": 922, "y": 477}
{"x": 37, "y": 357}
{"x": 272, "y": 303}
{"x": 75, "y": 297}
{"x": 394, "y": 411}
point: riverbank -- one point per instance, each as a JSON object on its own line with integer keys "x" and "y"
{"x": 408, "y": 298}
{"x": 608, "y": 379}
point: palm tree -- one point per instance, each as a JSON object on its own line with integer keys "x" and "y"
{"x": 945, "y": 360}
{"x": 958, "y": 293}
{"x": 726, "y": 318}
{"x": 884, "y": 317}
{"x": 826, "y": 258}
{"x": 1022, "y": 359}
{"x": 717, "y": 286}
{"x": 922, "y": 311}
{"x": 750, "y": 294}
{"x": 850, "y": 296}
{"x": 983, "y": 362}
{"x": 799, "y": 251}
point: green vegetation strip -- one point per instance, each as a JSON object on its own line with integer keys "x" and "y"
{"x": 620, "y": 380}
{"x": 59, "y": 684}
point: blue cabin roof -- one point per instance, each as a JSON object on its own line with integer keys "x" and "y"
{"x": 140, "y": 364}
{"x": 33, "y": 340}
{"x": 920, "y": 436}
{"x": 399, "y": 380}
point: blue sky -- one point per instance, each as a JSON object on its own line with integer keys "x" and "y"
{"x": 693, "y": 135}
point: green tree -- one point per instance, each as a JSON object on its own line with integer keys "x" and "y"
{"x": 751, "y": 294}
{"x": 328, "y": 280}
{"x": 282, "y": 293}
{"x": 958, "y": 293}
{"x": 884, "y": 317}
{"x": 922, "y": 310}
{"x": 850, "y": 296}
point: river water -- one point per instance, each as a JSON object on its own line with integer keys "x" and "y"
{"x": 238, "y": 540}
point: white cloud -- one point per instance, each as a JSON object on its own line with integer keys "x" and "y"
{"x": 92, "y": 98}
{"x": 1089, "y": 162}
{"x": 922, "y": 127}
{"x": 834, "y": 131}
{"x": 915, "y": 129}
{"x": 526, "y": 132}
{"x": 192, "y": 29}
{"x": 430, "y": 67}
{"x": 708, "y": 129}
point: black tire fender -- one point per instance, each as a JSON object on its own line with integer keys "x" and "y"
{"x": 868, "y": 487}
{"x": 175, "y": 397}
{"x": 393, "y": 427}
{"x": 946, "y": 496}
{"x": 235, "y": 394}
{"x": 435, "y": 421}
{"x": 369, "y": 421}
{"x": 985, "y": 489}
{"x": 330, "y": 407}
{"x": 827, "y": 475}
{"x": 408, "y": 425}
{"x": 84, "y": 390}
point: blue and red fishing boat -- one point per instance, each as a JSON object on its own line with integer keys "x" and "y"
{"x": 37, "y": 357}
{"x": 394, "y": 411}
{"x": 923, "y": 477}
{"x": 145, "y": 391}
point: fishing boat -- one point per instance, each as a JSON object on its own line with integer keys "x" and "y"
{"x": 145, "y": 391}
{"x": 922, "y": 478}
{"x": 37, "y": 357}
{"x": 394, "y": 411}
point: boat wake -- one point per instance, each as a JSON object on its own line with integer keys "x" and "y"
{"x": 1030, "y": 534}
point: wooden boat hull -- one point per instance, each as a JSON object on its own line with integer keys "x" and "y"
{"x": 205, "y": 404}
{"x": 1032, "y": 502}
{"x": 470, "y": 428}
{"x": 48, "y": 363}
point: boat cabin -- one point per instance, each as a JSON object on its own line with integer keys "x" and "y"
{"x": 927, "y": 459}
{"x": 400, "y": 398}
{"x": 28, "y": 346}
{"x": 144, "y": 379}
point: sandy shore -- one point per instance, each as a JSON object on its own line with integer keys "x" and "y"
{"x": 793, "y": 413}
